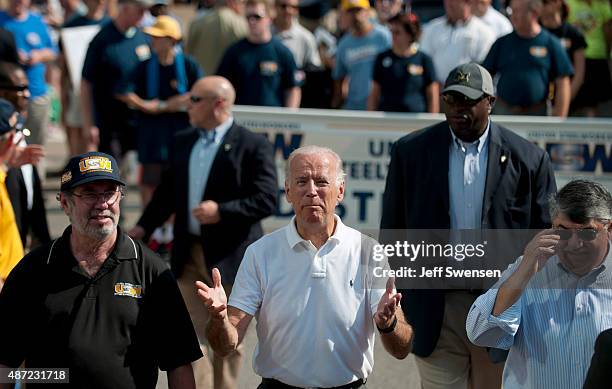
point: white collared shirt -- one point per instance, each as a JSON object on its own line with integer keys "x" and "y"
{"x": 452, "y": 45}
{"x": 314, "y": 312}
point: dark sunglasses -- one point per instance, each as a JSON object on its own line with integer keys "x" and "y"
{"x": 460, "y": 99}
{"x": 256, "y": 17}
{"x": 196, "y": 99}
{"x": 17, "y": 88}
{"x": 585, "y": 234}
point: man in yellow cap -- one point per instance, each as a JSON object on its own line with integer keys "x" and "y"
{"x": 356, "y": 54}
{"x": 159, "y": 90}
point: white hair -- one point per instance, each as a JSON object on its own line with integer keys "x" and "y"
{"x": 316, "y": 150}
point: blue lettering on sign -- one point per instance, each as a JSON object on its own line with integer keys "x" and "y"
{"x": 362, "y": 203}
{"x": 578, "y": 157}
{"x": 282, "y": 145}
{"x": 379, "y": 148}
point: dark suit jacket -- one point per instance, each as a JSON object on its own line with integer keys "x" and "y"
{"x": 600, "y": 372}
{"x": 417, "y": 197}
{"x": 242, "y": 181}
{"x": 35, "y": 219}
{"x": 8, "y": 48}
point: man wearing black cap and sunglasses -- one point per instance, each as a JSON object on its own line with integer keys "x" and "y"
{"x": 94, "y": 301}
{"x": 466, "y": 173}
{"x": 550, "y": 305}
{"x": 23, "y": 183}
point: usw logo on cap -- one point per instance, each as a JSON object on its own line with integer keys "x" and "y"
{"x": 95, "y": 164}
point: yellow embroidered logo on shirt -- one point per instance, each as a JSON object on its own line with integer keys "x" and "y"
{"x": 415, "y": 70}
{"x": 143, "y": 52}
{"x": 268, "y": 68}
{"x": 95, "y": 163}
{"x": 126, "y": 289}
{"x": 538, "y": 51}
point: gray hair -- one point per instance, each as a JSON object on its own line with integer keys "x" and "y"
{"x": 582, "y": 200}
{"x": 315, "y": 150}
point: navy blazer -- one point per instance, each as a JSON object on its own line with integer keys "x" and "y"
{"x": 519, "y": 180}
{"x": 242, "y": 181}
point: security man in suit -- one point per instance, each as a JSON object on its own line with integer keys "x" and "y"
{"x": 465, "y": 173}
{"x": 221, "y": 183}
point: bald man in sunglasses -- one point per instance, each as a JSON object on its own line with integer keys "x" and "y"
{"x": 550, "y": 305}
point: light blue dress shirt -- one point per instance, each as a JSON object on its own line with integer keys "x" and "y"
{"x": 200, "y": 162}
{"x": 551, "y": 330}
{"x": 467, "y": 175}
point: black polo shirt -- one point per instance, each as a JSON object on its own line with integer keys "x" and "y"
{"x": 112, "y": 330}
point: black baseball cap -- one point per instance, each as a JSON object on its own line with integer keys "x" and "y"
{"x": 90, "y": 167}
{"x": 7, "y": 120}
{"x": 471, "y": 80}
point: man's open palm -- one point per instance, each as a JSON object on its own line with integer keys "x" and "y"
{"x": 214, "y": 298}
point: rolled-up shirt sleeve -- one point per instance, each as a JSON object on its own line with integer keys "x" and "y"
{"x": 485, "y": 329}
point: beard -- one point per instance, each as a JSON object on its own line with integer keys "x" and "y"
{"x": 83, "y": 227}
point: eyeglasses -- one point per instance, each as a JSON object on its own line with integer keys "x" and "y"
{"x": 90, "y": 198}
{"x": 196, "y": 99}
{"x": 254, "y": 17}
{"x": 585, "y": 234}
{"x": 460, "y": 99}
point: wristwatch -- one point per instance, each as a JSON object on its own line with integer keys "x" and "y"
{"x": 389, "y": 329}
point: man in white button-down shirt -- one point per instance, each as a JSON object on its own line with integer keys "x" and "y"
{"x": 316, "y": 306}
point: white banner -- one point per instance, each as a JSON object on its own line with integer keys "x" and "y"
{"x": 578, "y": 147}
{"x": 75, "y": 41}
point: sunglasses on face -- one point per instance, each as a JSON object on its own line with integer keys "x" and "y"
{"x": 459, "y": 99}
{"x": 585, "y": 234}
{"x": 16, "y": 88}
{"x": 196, "y": 99}
{"x": 254, "y": 17}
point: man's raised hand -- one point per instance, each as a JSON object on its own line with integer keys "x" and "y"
{"x": 390, "y": 300}
{"x": 213, "y": 297}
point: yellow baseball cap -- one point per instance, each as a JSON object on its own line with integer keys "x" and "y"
{"x": 348, "y": 4}
{"x": 165, "y": 26}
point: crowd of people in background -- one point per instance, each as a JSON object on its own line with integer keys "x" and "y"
{"x": 548, "y": 57}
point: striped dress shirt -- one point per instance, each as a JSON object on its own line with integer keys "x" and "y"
{"x": 551, "y": 330}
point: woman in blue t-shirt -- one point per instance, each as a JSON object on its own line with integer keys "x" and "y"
{"x": 404, "y": 77}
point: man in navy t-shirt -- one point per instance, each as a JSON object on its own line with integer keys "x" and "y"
{"x": 111, "y": 57}
{"x": 260, "y": 67}
{"x": 526, "y": 62}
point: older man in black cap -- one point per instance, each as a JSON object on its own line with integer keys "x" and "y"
{"x": 95, "y": 301}
{"x": 466, "y": 173}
